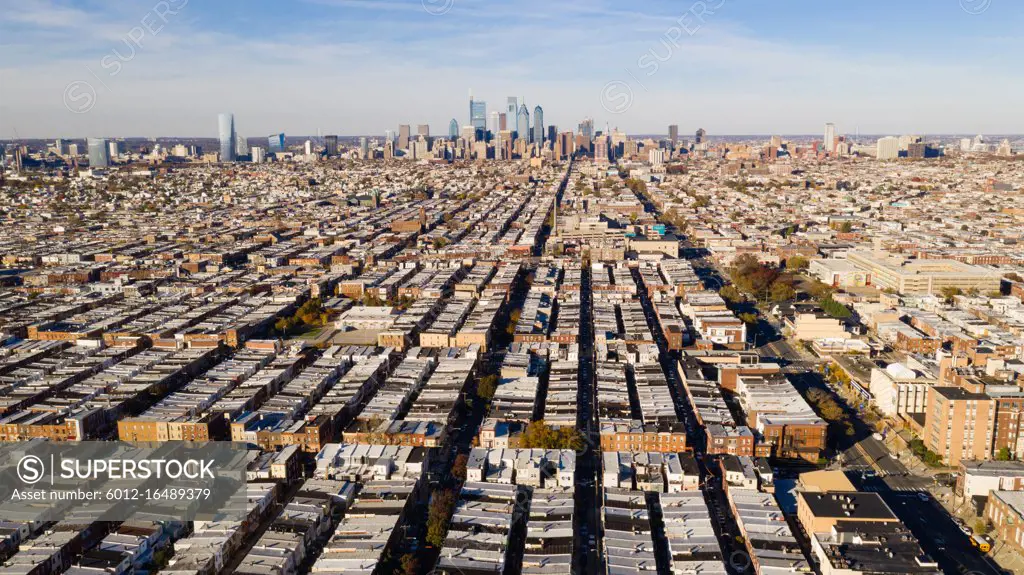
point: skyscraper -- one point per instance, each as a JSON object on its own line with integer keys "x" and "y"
{"x": 99, "y": 153}
{"x": 538, "y": 125}
{"x": 423, "y": 130}
{"x": 114, "y": 151}
{"x": 453, "y": 129}
{"x": 511, "y": 109}
{"x": 331, "y": 143}
{"x": 523, "y": 123}
{"x": 495, "y": 126}
{"x": 502, "y": 121}
{"x": 477, "y": 114}
{"x": 364, "y": 148}
{"x": 673, "y": 134}
{"x": 403, "y": 136}
{"x": 587, "y": 129}
{"x": 552, "y": 133}
{"x": 700, "y": 135}
{"x": 275, "y": 143}
{"x": 830, "y": 138}
{"x": 226, "y": 132}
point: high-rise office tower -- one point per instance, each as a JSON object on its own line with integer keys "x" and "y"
{"x": 477, "y": 114}
{"x": 275, "y": 143}
{"x": 403, "y": 136}
{"x": 307, "y": 147}
{"x": 830, "y": 138}
{"x": 511, "y": 110}
{"x": 673, "y": 134}
{"x": 538, "y": 125}
{"x": 423, "y": 130}
{"x": 523, "y": 123}
{"x": 113, "y": 150}
{"x": 502, "y": 121}
{"x": 495, "y": 122}
{"x": 364, "y": 148}
{"x": 699, "y": 136}
{"x": 586, "y": 129}
{"x": 331, "y": 143}
{"x": 258, "y": 155}
{"x": 453, "y": 129}
{"x": 99, "y": 153}
{"x": 241, "y": 146}
{"x": 228, "y": 137}
{"x": 552, "y": 133}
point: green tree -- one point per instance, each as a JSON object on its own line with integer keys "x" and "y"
{"x": 797, "y": 263}
{"x": 781, "y": 292}
{"x": 846, "y": 228}
{"x": 730, "y": 294}
{"x": 1003, "y": 454}
{"x": 950, "y": 292}
{"x": 486, "y": 387}
{"x": 442, "y": 503}
{"x": 748, "y": 318}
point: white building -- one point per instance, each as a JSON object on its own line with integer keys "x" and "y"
{"x": 888, "y": 148}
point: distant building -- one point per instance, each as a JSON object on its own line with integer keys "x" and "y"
{"x": 511, "y": 110}
{"x": 112, "y": 147}
{"x": 502, "y": 121}
{"x": 258, "y": 155}
{"x": 403, "y": 136}
{"x": 227, "y": 135}
{"x": 364, "y": 148}
{"x": 99, "y": 153}
{"x": 888, "y": 148}
{"x": 673, "y": 134}
{"x": 538, "y": 125}
{"x": 423, "y": 130}
{"x": 453, "y": 129}
{"x": 700, "y": 136}
{"x": 331, "y": 143}
{"x": 830, "y": 138}
{"x": 275, "y": 143}
{"x": 523, "y": 123}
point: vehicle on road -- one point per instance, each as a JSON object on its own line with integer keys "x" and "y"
{"x": 981, "y": 543}
{"x": 922, "y": 496}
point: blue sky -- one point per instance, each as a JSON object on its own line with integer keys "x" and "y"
{"x": 72, "y": 68}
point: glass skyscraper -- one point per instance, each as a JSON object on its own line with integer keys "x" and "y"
{"x": 99, "y": 153}
{"x": 275, "y": 143}
{"x": 226, "y": 132}
{"x": 478, "y": 114}
{"x": 538, "y": 124}
{"x": 523, "y": 123}
{"x": 453, "y": 129}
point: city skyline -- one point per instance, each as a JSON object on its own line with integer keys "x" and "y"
{"x": 738, "y": 67}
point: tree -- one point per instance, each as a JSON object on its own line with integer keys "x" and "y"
{"x": 539, "y": 435}
{"x": 486, "y": 387}
{"x": 1003, "y": 454}
{"x": 950, "y": 292}
{"x": 442, "y": 503}
{"x": 748, "y": 318}
{"x": 846, "y": 228}
{"x": 820, "y": 290}
{"x": 513, "y": 319}
{"x": 730, "y": 294}
{"x": 797, "y": 263}
{"x": 834, "y": 308}
{"x": 781, "y": 292}
{"x": 410, "y": 564}
{"x": 459, "y": 467}
{"x": 1014, "y": 277}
